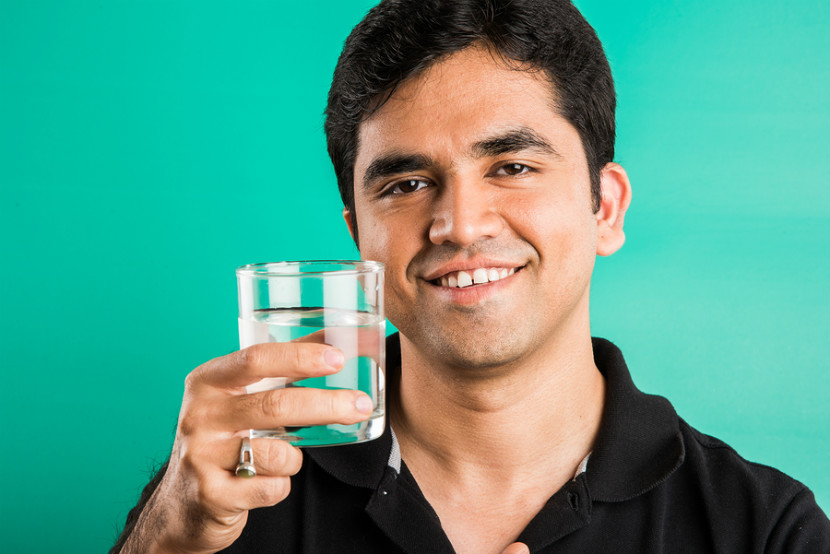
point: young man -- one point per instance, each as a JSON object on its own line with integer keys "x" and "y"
{"x": 473, "y": 143}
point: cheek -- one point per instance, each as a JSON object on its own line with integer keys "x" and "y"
{"x": 386, "y": 246}
{"x": 390, "y": 239}
{"x": 563, "y": 235}
{"x": 382, "y": 235}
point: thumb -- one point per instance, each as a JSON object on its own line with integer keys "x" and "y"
{"x": 516, "y": 548}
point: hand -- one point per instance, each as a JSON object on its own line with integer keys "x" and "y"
{"x": 517, "y": 548}
{"x": 200, "y": 505}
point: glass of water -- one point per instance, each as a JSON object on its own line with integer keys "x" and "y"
{"x": 335, "y": 302}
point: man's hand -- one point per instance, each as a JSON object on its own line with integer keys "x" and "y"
{"x": 517, "y": 548}
{"x": 200, "y": 504}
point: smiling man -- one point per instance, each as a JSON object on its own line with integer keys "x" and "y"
{"x": 473, "y": 143}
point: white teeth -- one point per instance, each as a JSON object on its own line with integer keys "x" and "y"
{"x": 479, "y": 276}
{"x": 464, "y": 279}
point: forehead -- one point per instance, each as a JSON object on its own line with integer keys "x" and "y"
{"x": 456, "y": 102}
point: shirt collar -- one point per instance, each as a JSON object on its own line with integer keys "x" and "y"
{"x": 638, "y": 446}
{"x": 639, "y": 443}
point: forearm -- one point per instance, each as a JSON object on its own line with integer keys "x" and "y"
{"x": 138, "y": 531}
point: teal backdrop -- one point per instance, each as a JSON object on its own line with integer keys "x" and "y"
{"x": 149, "y": 148}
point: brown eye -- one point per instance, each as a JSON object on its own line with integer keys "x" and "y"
{"x": 514, "y": 169}
{"x": 405, "y": 187}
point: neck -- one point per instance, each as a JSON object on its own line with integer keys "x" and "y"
{"x": 535, "y": 419}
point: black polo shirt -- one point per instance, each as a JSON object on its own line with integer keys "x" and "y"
{"x": 652, "y": 484}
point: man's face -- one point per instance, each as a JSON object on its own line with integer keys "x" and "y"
{"x": 468, "y": 174}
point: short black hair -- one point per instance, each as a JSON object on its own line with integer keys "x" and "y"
{"x": 398, "y": 39}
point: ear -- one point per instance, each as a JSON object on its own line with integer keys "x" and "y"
{"x": 347, "y": 217}
{"x": 616, "y": 196}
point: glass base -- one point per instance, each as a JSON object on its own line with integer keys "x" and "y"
{"x": 326, "y": 435}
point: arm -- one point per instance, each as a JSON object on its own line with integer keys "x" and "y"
{"x": 133, "y": 516}
{"x": 196, "y": 504}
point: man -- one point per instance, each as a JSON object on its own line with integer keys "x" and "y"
{"x": 473, "y": 144}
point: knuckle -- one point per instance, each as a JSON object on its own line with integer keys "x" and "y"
{"x": 297, "y": 355}
{"x": 192, "y": 419}
{"x": 198, "y": 376}
{"x": 187, "y": 461}
{"x": 305, "y": 355}
{"x": 271, "y": 491}
{"x": 187, "y": 425}
{"x": 195, "y": 381}
{"x": 275, "y": 404}
{"x": 254, "y": 356}
{"x": 275, "y": 457}
{"x": 282, "y": 458}
{"x": 333, "y": 404}
{"x": 190, "y": 381}
{"x": 207, "y": 491}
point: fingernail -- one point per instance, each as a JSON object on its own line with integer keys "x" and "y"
{"x": 363, "y": 404}
{"x": 334, "y": 358}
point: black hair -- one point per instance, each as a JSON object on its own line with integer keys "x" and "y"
{"x": 400, "y": 38}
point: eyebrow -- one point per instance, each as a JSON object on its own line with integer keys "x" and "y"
{"x": 512, "y": 141}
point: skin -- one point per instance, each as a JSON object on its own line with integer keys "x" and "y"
{"x": 467, "y": 166}
{"x": 500, "y": 398}
{"x": 200, "y": 506}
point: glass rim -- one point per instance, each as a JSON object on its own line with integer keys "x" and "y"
{"x": 266, "y": 269}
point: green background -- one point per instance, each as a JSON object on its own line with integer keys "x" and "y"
{"x": 149, "y": 148}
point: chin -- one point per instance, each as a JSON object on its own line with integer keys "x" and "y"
{"x": 475, "y": 352}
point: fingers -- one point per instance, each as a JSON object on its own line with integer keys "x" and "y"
{"x": 354, "y": 342}
{"x": 293, "y": 360}
{"x": 228, "y": 495}
{"x": 217, "y": 411}
{"x": 517, "y": 548}
{"x": 210, "y": 468}
{"x": 295, "y": 406}
{"x": 272, "y": 458}
{"x": 308, "y": 356}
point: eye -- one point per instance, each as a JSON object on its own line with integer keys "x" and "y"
{"x": 513, "y": 169}
{"x": 407, "y": 186}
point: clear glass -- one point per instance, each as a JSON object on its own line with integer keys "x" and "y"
{"x": 336, "y": 302}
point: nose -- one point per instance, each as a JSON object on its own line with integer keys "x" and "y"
{"x": 464, "y": 212}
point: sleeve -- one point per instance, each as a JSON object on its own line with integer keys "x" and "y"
{"x": 803, "y": 528}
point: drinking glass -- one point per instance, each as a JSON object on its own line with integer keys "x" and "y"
{"x": 335, "y": 302}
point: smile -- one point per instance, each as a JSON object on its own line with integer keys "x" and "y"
{"x": 480, "y": 276}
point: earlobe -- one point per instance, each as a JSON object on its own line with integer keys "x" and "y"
{"x": 616, "y": 197}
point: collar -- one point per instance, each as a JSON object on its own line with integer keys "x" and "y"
{"x": 639, "y": 442}
{"x": 638, "y": 446}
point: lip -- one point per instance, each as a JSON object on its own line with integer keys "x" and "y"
{"x": 470, "y": 265}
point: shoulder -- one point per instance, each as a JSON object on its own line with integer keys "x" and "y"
{"x": 721, "y": 464}
{"x": 754, "y": 498}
